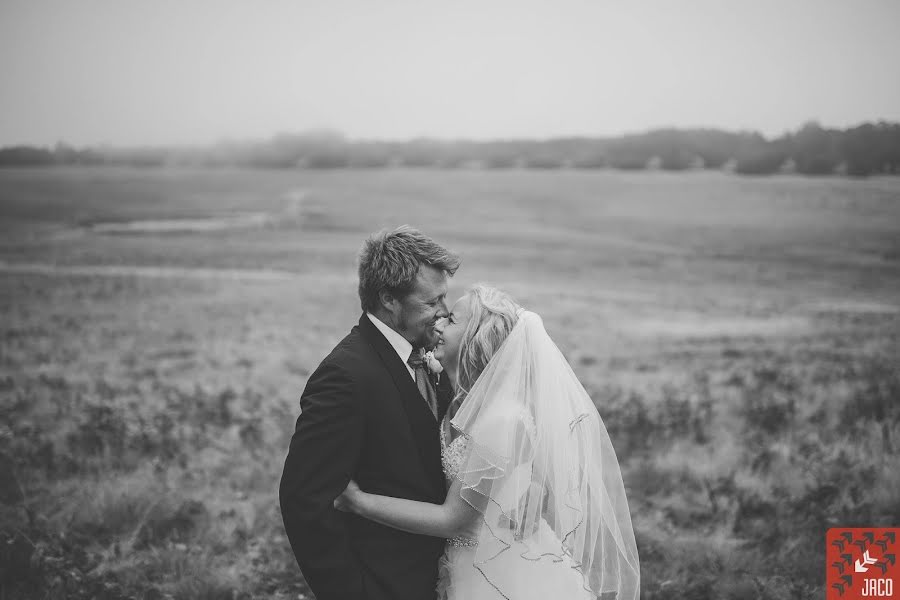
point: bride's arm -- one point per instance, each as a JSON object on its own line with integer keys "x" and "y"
{"x": 446, "y": 520}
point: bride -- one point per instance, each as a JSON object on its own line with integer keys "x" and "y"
{"x": 536, "y": 507}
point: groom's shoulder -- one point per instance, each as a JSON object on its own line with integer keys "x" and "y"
{"x": 347, "y": 347}
{"x": 351, "y": 353}
{"x": 352, "y": 359}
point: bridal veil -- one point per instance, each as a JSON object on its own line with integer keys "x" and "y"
{"x": 542, "y": 471}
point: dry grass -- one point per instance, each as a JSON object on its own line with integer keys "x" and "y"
{"x": 740, "y": 338}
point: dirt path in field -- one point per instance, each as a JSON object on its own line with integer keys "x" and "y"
{"x": 292, "y": 211}
{"x": 699, "y": 326}
{"x": 798, "y": 320}
{"x": 149, "y": 272}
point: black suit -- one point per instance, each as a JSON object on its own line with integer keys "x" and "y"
{"x": 362, "y": 417}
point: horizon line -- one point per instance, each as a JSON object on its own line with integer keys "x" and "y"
{"x": 338, "y": 133}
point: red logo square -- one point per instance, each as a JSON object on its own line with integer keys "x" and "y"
{"x": 862, "y": 563}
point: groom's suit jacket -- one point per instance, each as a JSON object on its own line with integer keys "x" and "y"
{"x": 362, "y": 417}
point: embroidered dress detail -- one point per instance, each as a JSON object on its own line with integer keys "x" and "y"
{"x": 461, "y": 542}
{"x": 452, "y": 456}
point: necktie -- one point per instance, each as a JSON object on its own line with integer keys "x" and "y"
{"x": 423, "y": 381}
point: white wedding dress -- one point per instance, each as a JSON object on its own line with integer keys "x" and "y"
{"x": 532, "y": 579}
{"x": 534, "y": 459}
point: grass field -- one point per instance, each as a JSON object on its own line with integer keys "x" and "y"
{"x": 740, "y": 338}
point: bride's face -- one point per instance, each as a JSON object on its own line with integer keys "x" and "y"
{"x": 447, "y": 349}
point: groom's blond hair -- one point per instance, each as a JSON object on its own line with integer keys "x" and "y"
{"x": 390, "y": 260}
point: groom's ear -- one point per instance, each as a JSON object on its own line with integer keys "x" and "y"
{"x": 389, "y": 301}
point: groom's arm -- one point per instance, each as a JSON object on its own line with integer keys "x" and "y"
{"x": 323, "y": 455}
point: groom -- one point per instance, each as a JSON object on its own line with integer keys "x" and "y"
{"x": 370, "y": 415}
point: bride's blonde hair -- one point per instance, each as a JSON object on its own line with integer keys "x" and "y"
{"x": 492, "y": 316}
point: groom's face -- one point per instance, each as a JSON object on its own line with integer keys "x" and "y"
{"x": 417, "y": 315}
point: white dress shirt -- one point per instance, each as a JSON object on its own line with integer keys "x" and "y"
{"x": 400, "y": 344}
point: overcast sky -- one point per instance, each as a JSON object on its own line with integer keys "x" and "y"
{"x": 191, "y": 71}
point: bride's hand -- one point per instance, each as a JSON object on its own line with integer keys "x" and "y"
{"x": 347, "y": 501}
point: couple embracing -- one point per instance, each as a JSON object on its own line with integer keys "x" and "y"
{"x": 451, "y": 454}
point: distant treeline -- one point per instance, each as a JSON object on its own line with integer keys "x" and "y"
{"x": 863, "y": 150}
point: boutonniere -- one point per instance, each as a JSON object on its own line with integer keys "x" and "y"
{"x": 433, "y": 365}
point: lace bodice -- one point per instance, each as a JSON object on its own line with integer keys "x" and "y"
{"x": 452, "y": 455}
